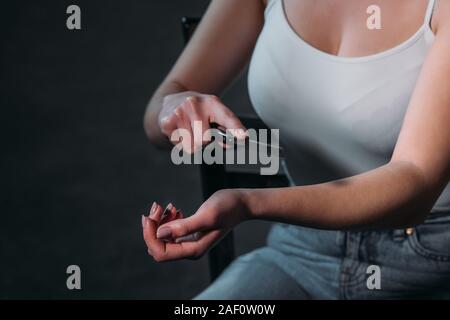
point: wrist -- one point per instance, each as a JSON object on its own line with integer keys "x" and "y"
{"x": 153, "y": 110}
{"x": 153, "y": 131}
{"x": 252, "y": 202}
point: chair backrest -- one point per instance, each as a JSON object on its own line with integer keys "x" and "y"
{"x": 218, "y": 176}
{"x": 188, "y": 25}
{"x": 212, "y": 179}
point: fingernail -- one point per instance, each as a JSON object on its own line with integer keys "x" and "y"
{"x": 189, "y": 238}
{"x": 163, "y": 233}
{"x": 166, "y": 211}
{"x": 153, "y": 209}
{"x": 144, "y": 221}
{"x": 179, "y": 214}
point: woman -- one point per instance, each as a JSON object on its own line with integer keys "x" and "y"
{"x": 370, "y": 108}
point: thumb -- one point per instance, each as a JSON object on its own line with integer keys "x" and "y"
{"x": 181, "y": 227}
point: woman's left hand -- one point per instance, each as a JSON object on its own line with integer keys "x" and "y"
{"x": 191, "y": 237}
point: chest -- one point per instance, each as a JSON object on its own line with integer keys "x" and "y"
{"x": 310, "y": 93}
{"x": 358, "y": 28}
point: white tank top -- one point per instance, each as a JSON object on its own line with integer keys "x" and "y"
{"x": 338, "y": 116}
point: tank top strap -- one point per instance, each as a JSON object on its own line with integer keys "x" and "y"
{"x": 429, "y": 13}
{"x": 269, "y": 6}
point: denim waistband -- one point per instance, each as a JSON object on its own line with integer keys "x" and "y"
{"x": 437, "y": 215}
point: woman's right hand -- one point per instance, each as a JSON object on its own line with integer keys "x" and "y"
{"x": 181, "y": 110}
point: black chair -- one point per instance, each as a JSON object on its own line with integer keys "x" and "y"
{"x": 219, "y": 176}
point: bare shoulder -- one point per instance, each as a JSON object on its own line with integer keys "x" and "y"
{"x": 441, "y": 19}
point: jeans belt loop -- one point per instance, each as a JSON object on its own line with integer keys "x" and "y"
{"x": 402, "y": 234}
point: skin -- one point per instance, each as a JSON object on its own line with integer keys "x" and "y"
{"x": 398, "y": 194}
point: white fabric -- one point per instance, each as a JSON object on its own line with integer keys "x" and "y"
{"x": 338, "y": 116}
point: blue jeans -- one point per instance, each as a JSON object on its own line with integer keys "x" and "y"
{"x": 304, "y": 263}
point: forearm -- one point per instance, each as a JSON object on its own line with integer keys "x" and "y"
{"x": 215, "y": 55}
{"x": 395, "y": 195}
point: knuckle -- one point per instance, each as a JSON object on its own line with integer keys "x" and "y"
{"x": 181, "y": 228}
{"x": 166, "y": 99}
{"x": 210, "y": 206}
{"x": 213, "y": 97}
{"x": 214, "y": 219}
{"x": 146, "y": 236}
{"x": 164, "y": 123}
{"x": 192, "y": 99}
{"x": 179, "y": 110}
{"x": 219, "y": 192}
{"x": 158, "y": 257}
{"x": 183, "y": 109}
{"x": 218, "y": 195}
{"x": 183, "y": 105}
{"x": 230, "y": 114}
{"x": 164, "y": 128}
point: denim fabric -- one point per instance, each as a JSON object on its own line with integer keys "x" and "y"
{"x": 304, "y": 263}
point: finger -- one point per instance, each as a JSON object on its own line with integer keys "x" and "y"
{"x": 173, "y": 213}
{"x": 144, "y": 221}
{"x": 184, "y": 123}
{"x": 226, "y": 118}
{"x": 168, "y": 124}
{"x": 152, "y": 209}
{"x": 170, "y": 214}
{"x": 165, "y": 214}
{"x": 154, "y": 245}
{"x": 201, "y": 133}
{"x": 199, "y": 121}
{"x": 191, "y": 237}
{"x": 182, "y": 227}
{"x": 157, "y": 213}
{"x": 195, "y": 249}
{"x": 206, "y": 133}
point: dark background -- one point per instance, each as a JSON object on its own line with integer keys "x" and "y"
{"x": 76, "y": 169}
